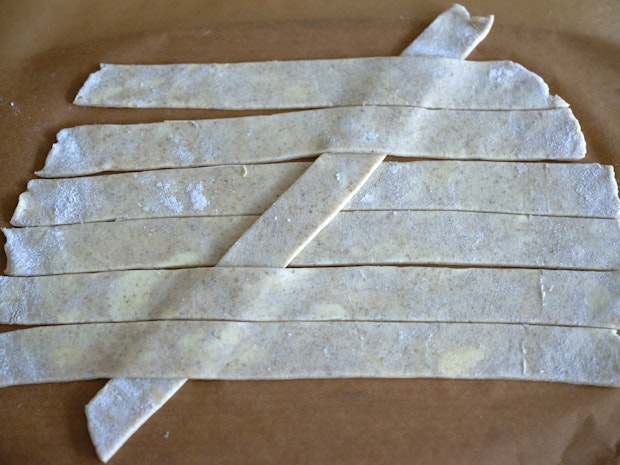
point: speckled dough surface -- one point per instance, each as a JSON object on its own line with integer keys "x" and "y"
{"x": 295, "y": 218}
{"x": 212, "y": 191}
{"x": 401, "y": 131}
{"x": 453, "y": 34}
{"x": 110, "y": 421}
{"x": 427, "y": 82}
{"x": 273, "y": 240}
{"x": 352, "y": 238}
{"x": 584, "y": 190}
{"x": 361, "y": 293}
{"x": 289, "y": 350}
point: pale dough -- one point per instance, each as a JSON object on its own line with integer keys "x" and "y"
{"x": 146, "y": 402}
{"x": 453, "y": 34}
{"x": 352, "y": 238}
{"x": 584, "y": 190}
{"x": 305, "y": 208}
{"x": 110, "y": 421}
{"x": 295, "y": 218}
{"x": 212, "y": 191}
{"x": 361, "y": 293}
{"x": 292, "y": 350}
{"x": 426, "y": 82}
{"x": 401, "y": 131}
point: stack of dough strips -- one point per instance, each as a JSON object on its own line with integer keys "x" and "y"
{"x": 212, "y": 252}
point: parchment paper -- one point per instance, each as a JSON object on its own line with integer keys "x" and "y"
{"x": 47, "y": 49}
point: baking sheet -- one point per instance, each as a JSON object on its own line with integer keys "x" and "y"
{"x": 48, "y": 49}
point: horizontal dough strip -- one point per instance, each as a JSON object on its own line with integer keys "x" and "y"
{"x": 240, "y": 350}
{"x": 375, "y": 293}
{"x": 426, "y": 82}
{"x": 351, "y": 238}
{"x": 584, "y": 190}
{"x": 401, "y": 131}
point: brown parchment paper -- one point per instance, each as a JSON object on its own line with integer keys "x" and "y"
{"x": 47, "y": 49}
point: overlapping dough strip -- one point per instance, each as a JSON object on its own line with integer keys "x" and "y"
{"x": 426, "y": 82}
{"x": 352, "y": 238}
{"x": 585, "y": 190}
{"x": 361, "y": 293}
{"x": 402, "y": 131}
{"x": 288, "y": 350}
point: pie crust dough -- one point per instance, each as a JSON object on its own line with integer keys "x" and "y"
{"x": 351, "y": 238}
{"x": 402, "y": 131}
{"x": 426, "y": 82}
{"x": 360, "y": 293}
{"x": 584, "y": 190}
{"x": 293, "y": 350}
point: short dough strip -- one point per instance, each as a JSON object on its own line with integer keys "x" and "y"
{"x": 400, "y": 131}
{"x": 383, "y": 293}
{"x": 297, "y": 350}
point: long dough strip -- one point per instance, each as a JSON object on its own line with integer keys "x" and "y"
{"x": 352, "y": 238}
{"x": 405, "y": 81}
{"x": 584, "y": 190}
{"x": 400, "y": 131}
{"x": 290, "y": 350}
{"x": 381, "y": 293}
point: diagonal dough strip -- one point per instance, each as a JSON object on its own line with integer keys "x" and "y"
{"x": 295, "y": 218}
{"x": 111, "y": 422}
{"x": 361, "y": 293}
{"x": 352, "y": 238}
{"x": 583, "y": 190}
{"x": 402, "y": 131}
{"x": 297, "y": 350}
{"x": 405, "y": 81}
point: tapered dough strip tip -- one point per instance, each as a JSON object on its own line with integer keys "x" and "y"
{"x": 453, "y": 34}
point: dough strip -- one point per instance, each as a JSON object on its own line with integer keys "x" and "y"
{"x": 426, "y": 82}
{"x": 583, "y": 190}
{"x": 295, "y": 350}
{"x": 352, "y": 238}
{"x": 361, "y": 293}
{"x": 552, "y": 134}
